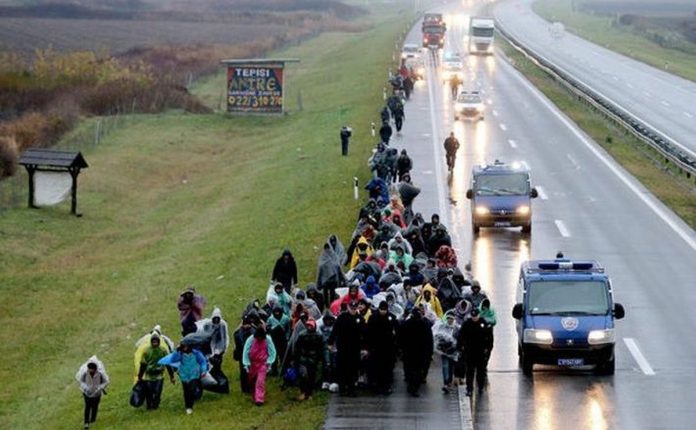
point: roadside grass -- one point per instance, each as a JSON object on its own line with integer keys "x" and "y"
{"x": 598, "y": 29}
{"x": 178, "y": 198}
{"x": 672, "y": 189}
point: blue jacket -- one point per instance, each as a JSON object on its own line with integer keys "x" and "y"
{"x": 370, "y": 287}
{"x": 191, "y": 366}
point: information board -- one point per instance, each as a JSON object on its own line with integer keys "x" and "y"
{"x": 255, "y": 88}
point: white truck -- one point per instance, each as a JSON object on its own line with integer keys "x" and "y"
{"x": 481, "y": 32}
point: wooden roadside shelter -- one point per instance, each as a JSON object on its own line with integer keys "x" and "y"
{"x": 51, "y": 160}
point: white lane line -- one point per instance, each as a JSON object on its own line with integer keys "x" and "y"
{"x": 542, "y": 193}
{"x": 562, "y": 228}
{"x": 688, "y": 115}
{"x": 573, "y": 162}
{"x": 512, "y": 143}
{"x": 495, "y": 112}
{"x": 503, "y": 127}
{"x": 657, "y": 208}
{"x": 467, "y": 421}
{"x": 425, "y": 134}
{"x": 664, "y": 103}
{"x": 638, "y": 356}
{"x": 436, "y": 149}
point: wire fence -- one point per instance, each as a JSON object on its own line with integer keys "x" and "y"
{"x": 90, "y": 133}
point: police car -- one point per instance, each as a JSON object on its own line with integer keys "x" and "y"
{"x": 565, "y": 315}
{"x": 501, "y": 196}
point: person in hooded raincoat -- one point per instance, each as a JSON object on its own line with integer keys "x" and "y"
{"x": 439, "y": 238}
{"x": 416, "y": 340}
{"x": 151, "y": 373}
{"x": 414, "y": 274}
{"x": 404, "y": 164}
{"x": 448, "y": 293}
{"x": 329, "y": 274}
{"x": 309, "y": 357}
{"x": 370, "y": 287}
{"x": 259, "y": 354}
{"x": 279, "y": 297}
{"x": 475, "y": 295}
{"x": 285, "y": 271}
{"x": 354, "y": 294}
{"x": 381, "y": 340}
{"x": 446, "y": 257}
{"x": 488, "y": 316}
{"x": 191, "y": 307}
{"x": 362, "y": 246}
{"x": 390, "y": 276}
{"x": 397, "y": 240}
{"x": 445, "y": 333}
{"x": 325, "y": 327}
{"x": 192, "y": 367}
{"x": 143, "y": 344}
{"x": 379, "y": 191}
{"x": 385, "y": 132}
{"x": 384, "y": 114}
{"x": 338, "y": 249}
{"x": 93, "y": 380}
{"x": 309, "y": 305}
{"x": 314, "y": 294}
{"x": 428, "y": 297}
{"x": 399, "y": 255}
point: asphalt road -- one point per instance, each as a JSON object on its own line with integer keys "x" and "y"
{"x": 589, "y": 207}
{"x": 656, "y": 97}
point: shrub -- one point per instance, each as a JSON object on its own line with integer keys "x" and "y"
{"x": 8, "y": 156}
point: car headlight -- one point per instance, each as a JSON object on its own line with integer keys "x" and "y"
{"x": 543, "y": 337}
{"x": 597, "y": 337}
{"x": 482, "y": 210}
{"x": 523, "y": 210}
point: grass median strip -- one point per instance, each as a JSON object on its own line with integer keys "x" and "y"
{"x": 173, "y": 199}
{"x": 674, "y": 190}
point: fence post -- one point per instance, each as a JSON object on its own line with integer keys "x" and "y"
{"x": 300, "y": 106}
{"x": 97, "y": 132}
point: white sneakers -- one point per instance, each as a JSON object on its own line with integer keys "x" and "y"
{"x": 189, "y": 411}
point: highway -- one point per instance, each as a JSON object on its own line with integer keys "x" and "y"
{"x": 656, "y": 97}
{"x": 589, "y": 208}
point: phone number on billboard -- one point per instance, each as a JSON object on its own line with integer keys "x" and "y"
{"x": 253, "y": 101}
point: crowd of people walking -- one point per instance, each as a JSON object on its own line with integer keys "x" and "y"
{"x": 395, "y": 292}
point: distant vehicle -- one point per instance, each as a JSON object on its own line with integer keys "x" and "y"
{"x": 433, "y": 18}
{"x": 410, "y": 50}
{"x": 416, "y": 67}
{"x": 481, "y": 31}
{"x": 501, "y": 196}
{"x": 433, "y": 29}
{"x": 452, "y": 64}
{"x": 565, "y": 315}
{"x": 434, "y": 36}
{"x": 469, "y": 105}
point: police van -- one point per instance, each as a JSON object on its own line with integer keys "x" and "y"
{"x": 565, "y": 315}
{"x": 501, "y": 196}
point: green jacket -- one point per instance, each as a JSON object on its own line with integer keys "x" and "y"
{"x": 151, "y": 356}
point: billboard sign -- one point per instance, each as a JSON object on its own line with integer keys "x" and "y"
{"x": 255, "y": 88}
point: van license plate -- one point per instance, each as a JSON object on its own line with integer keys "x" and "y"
{"x": 571, "y": 362}
{"x": 502, "y": 224}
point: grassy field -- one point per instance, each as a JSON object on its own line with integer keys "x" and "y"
{"x": 599, "y": 30}
{"x": 174, "y": 199}
{"x": 675, "y": 191}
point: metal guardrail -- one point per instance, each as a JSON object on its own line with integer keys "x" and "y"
{"x": 666, "y": 147}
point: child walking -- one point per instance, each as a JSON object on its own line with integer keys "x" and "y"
{"x": 259, "y": 355}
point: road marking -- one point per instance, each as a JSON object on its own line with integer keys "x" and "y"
{"x": 562, "y": 228}
{"x": 425, "y": 134}
{"x": 657, "y": 208}
{"x": 638, "y": 356}
{"x": 688, "y": 115}
{"x": 664, "y": 103}
{"x": 465, "y": 417}
{"x": 503, "y": 127}
{"x": 573, "y": 162}
{"x": 436, "y": 149}
{"x": 629, "y": 85}
{"x": 542, "y": 193}
{"x": 615, "y": 78}
{"x": 495, "y": 112}
{"x": 512, "y": 143}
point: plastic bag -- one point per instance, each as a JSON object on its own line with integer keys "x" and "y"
{"x": 290, "y": 376}
{"x": 137, "y": 397}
